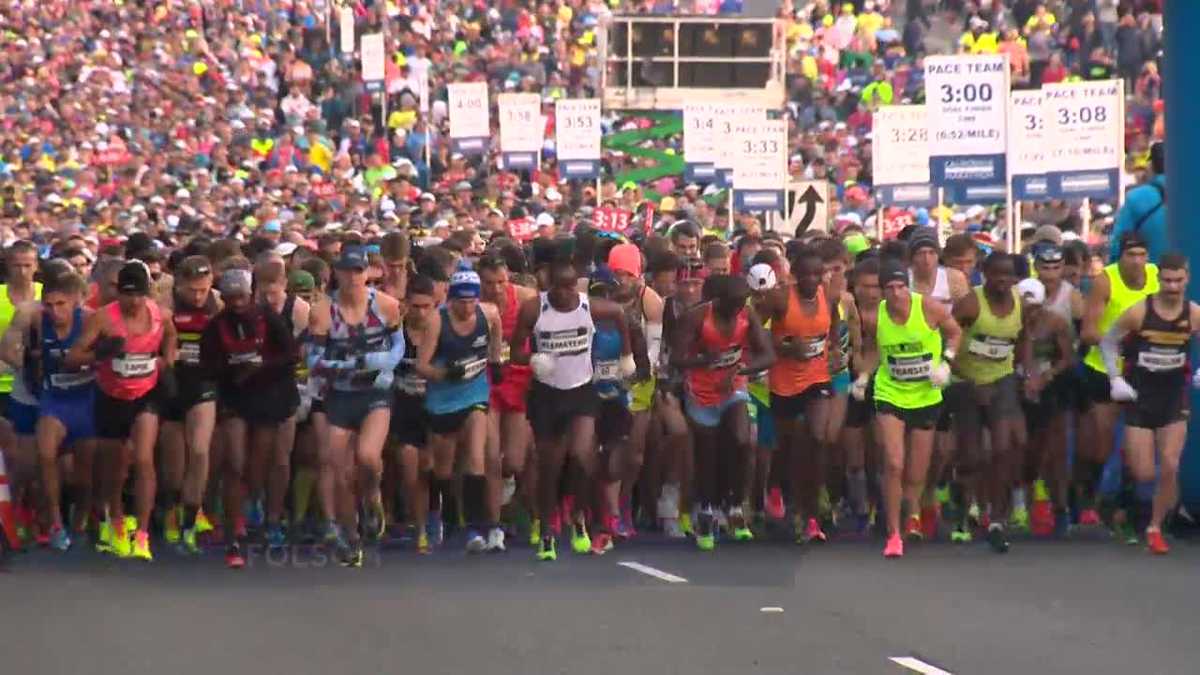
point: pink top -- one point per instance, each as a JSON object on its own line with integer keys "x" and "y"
{"x": 133, "y": 373}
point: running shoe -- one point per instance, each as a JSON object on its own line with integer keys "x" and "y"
{"x": 141, "y": 546}
{"x": 374, "y": 521}
{"x": 276, "y": 538}
{"x": 122, "y": 546}
{"x": 997, "y": 538}
{"x": 668, "y": 502}
{"x": 131, "y": 524}
{"x": 233, "y": 557}
{"x": 1124, "y": 532}
{"x": 548, "y": 549}
{"x": 171, "y": 525}
{"x": 623, "y": 528}
{"x": 814, "y": 533}
{"x": 824, "y": 505}
{"x": 739, "y": 526}
{"x": 962, "y": 534}
{"x": 1156, "y": 543}
{"x": 351, "y": 555}
{"x": 774, "y": 504}
{"x": 475, "y": 542}
{"x": 59, "y": 539}
{"x": 1089, "y": 518}
{"x": 942, "y": 494}
{"x": 435, "y": 528}
{"x": 187, "y": 542}
{"x": 495, "y": 540}
{"x": 974, "y": 515}
{"x": 912, "y": 530}
{"x": 104, "y": 538}
{"x": 203, "y": 524}
{"x": 602, "y": 543}
{"x": 705, "y": 524}
{"x": 252, "y": 510}
{"x": 330, "y": 534}
{"x": 535, "y": 531}
{"x": 1019, "y": 520}
{"x": 672, "y": 529}
{"x": 423, "y": 547}
{"x": 510, "y": 489}
{"x": 685, "y": 524}
{"x": 894, "y": 547}
{"x": 580, "y": 541}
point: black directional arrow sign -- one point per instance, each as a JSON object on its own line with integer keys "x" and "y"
{"x": 807, "y": 206}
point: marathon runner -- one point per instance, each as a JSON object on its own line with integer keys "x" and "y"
{"x": 409, "y": 425}
{"x": 916, "y": 342}
{"x": 18, "y": 405}
{"x": 709, "y": 345}
{"x": 562, "y": 399}
{"x": 835, "y": 259}
{"x": 131, "y": 346}
{"x": 356, "y": 341}
{"x": 860, "y": 411}
{"x": 1156, "y": 334}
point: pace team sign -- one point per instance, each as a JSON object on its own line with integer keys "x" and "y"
{"x": 900, "y": 156}
{"x": 699, "y": 120}
{"x": 1027, "y": 145}
{"x": 521, "y": 129}
{"x": 759, "y": 164}
{"x": 966, "y": 97}
{"x": 577, "y": 136}
{"x": 470, "y": 126}
{"x": 1084, "y": 136}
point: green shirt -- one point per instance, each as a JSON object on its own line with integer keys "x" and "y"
{"x": 908, "y": 353}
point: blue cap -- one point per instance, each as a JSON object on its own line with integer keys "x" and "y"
{"x": 272, "y": 226}
{"x": 464, "y": 285}
{"x": 352, "y": 258}
{"x": 922, "y": 216}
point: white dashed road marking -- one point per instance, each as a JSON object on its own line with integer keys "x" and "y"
{"x": 913, "y": 663}
{"x": 650, "y": 571}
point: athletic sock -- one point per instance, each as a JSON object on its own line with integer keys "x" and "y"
{"x": 856, "y": 488}
{"x": 443, "y": 489}
{"x": 189, "y": 516}
{"x": 302, "y": 490}
{"x": 474, "y": 498}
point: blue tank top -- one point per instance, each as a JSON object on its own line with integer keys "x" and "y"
{"x": 606, "y": 358}
{"x": 469, "y": 351}
{"x": 57, "y": 382}
{"x": 346, "y": 342}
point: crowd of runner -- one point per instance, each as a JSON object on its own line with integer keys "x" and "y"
{"x": 243, "y": 304}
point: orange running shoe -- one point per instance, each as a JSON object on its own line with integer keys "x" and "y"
{"x": 1157, "y": 543}
{"x": 1089, "y": 517}
{"x": 894, "y": 548}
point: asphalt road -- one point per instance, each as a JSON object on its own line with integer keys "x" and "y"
{"x": 1047, "y": 607}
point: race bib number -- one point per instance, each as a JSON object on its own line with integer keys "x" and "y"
{"x": 413, "y": 385}
{"x": 606, "y": 371}
{"x": 1158, "y": 362}
{"x": 134, "y": 365}
{"x": 71, "y": 380}
{"x": 913, "y": 368}
{"x": 472, "y": 367}
{"x": 189, "y": 353}
{"x": 565, "y": 342}
{"x": 990, "y": 348}
{"x": 245, "y": 359}
{"x": 811, "y": 348}
{"x": 729, "y": 358}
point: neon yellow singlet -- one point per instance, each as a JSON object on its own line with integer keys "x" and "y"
{"x": 7, "y": 309}
{"x": 907, "y": 356}
{"x": 1120, "y": 298}
{"x": 989, "y": 343}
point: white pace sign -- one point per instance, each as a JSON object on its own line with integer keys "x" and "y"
{"x": 1085, "y": 133}
{"x": 699, "y": 120}
{"x": 521, "y": 129}
{"x": 900, "y": 155}
{"x": 470, "y": 125}
{"x": 759, "y": 163}
{"x": 577, "y": 136}
{"x": 966, "y": 97}
{"x": 727, "y": 118}
{"x": 346, "y": 29}
{"x": 372, "y": 55}
{"x": 1027, "y": 145}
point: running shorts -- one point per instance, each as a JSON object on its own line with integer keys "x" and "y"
{"x": 115, "y": 416}
{"x": 272, "y": 404}
{"x": 348, "y": 409}
{"x": 955, "y": 391}
{"x": 913, "y": 418}
{"x": 793, "y": 407}
{"x": 551, "y": 410}
{"x": 509, "y": 396}
{"x": 985, "y": 404}
{"x": 23, "y": 417}
{"x": 765, "y": 422}
{"x": 1057, "y": 397}
{"x": 410, "y": 420}
{"x": 614, "y": 420}
{"x": 75, "y": 412}
{"x": 1094, "y": 387}
{"x": 446, "y": 424}
{"x": 860, "y": 413}
{"x": 192, "y": 392}
{"x": 841, "y": 383}
{"x": 1157, "y": 408}
{"x": 710, "y": 415}
{"x": 642, "y": 396}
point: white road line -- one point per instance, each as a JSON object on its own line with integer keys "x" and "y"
{"x": 771, "y": 610}
{"x": 656, "y": 573}
{"x": 918, "y": 665}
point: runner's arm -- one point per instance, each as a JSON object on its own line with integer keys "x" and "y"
{"x": 12, "y": 346}
{"x": 966, "y": 310}
{"x": 960, "y": 287}
{"x": 82, "y": 353}
{"x": 1093, "y": 309}
{"x": 683, "y": 344}
{"x": 760, "y": 344}
{"x": 317, "y": 338}
{"x": 388, "y": 359}
{"x": 427, "y": 341}
{"x": 495, "y": 332}
{"x": 948, "y": 325}
{"x": 855, "y": 324}
{"x": 170, "y": 340}
{"x": 1110, "y": 343}
{"x": 518, "y": 351}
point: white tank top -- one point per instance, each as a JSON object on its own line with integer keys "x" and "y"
{"x": 568, "y": 336}
{"x": 1060, "y": 304}
{"x": 941, "y": 286}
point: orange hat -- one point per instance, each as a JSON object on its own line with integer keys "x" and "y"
{"x": 625, "y": 258}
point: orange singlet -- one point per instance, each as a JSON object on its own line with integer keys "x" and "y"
{"x": 790, "y": 377}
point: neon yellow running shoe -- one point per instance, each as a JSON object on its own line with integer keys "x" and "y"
{"x": 685, "y": 524}
{"x": 581, "y": 543}
{"x": 203, "y": 524}
{"x": 547, "y": 549}
{"x": 188, "y": 541}
{"x": 535, "y": 532}
{"x": 171, "y": 525}
{"x": 122, "y": 547}
{"x": 1019, "y": 519}
{"x": 705, "y": 542}
{"x": 1040, "y": 493}
{"x": 104, "y": 538}
{"x": 141, "y": 546}
{"x": 131, "y": 524}
{"x": 942, "y": 494}
{"x": 961, "y": 535}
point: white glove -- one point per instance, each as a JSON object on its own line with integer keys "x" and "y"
{"x": 940, "y": 377}
{"x": 377, "y": 360}
{"x": 1196, "y": 379}
{"x": 384, "y": 379}
{"x": 626, "y": 366}
{"x": 1120, "y": 390}
{"x": 859, "y": 388}
{"x": 542, "y": 364}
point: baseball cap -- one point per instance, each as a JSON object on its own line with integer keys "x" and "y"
{"x": 134, "y": 278}
{"x": 464, "y": 285}
{"x": 625, "y": 258}
{"x": 1032, "y": 291}
{"x": 285, "y": 249}
{"x": 272, "y": 226}
{"x": 1047, "y": 251}
{"x": 299, "y": 280}
{"x": 352, "y": 258}
{"x": 761, "y": 277}
{"x": 235, "y": 282}
{"x": 1048, "y": 233}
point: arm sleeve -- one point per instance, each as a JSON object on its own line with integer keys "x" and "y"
{"x": 1110, "y": 346}
{"x": 388, "y": 360}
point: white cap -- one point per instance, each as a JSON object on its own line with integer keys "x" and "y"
{"x": 976, "y": 211}
{"x": 285, "y": 249}
{"x": 761, "y": 277}
{"x": 1032, "y": 291}
{"x": 544, "y": 219}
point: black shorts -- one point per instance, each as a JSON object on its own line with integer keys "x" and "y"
{"x": 1093, "y": 388}
{"x": 787, "y": 408}
{"x": 4, "y": 398}
{"x": 450, "y": 423}
{"x": 860, "y": 413}
{"x": 265, "y": 406}
{"x": 115, "y": 416}
{"x": 410, "y": 420}
{"x": 613, "y": 421}
{"x": 1057, "y": 397}
{"x": 192, "y": 392}
{"x": 913, "y": 418}
{"x": 551, "y": 410}
{"x": 1155, "y": 409}
{"x": 953, "y": 392}
{"x": 348, "y": 409}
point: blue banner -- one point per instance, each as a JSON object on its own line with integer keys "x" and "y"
{"x": 470, "y": 146}
{"x": 699, "y": 172}
{"x": 1100, "y": 184}
{"x": 758, "y": 200}
{"x": 580, "y": 168}
{"x": 977, "y": 194}
{"x": 1031, "y": 187}
{"x": 955, "y": 171}
{"x": 910, "y": 195}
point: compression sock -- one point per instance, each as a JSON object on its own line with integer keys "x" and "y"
{"x": 474, "y": 498}
{"x": 444, "y": 488}
{"x": 189, "y": 516}
{"x": 302, "y": 490}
